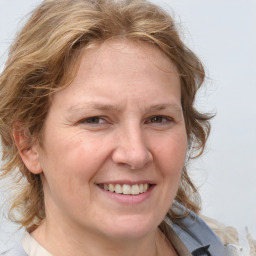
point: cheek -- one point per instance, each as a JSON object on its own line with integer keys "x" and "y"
{"x": 69, "y": 167}
{"x": 169, "y": 158}
{"x": 170, "y": 154}
{"x": 74, "y": 160}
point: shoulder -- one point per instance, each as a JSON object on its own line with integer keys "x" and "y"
{"x": 16, "y": 251}
{"x": 10, "y": 242}
{"x": 198, "y": 236}
{"x": 237, "y": 243}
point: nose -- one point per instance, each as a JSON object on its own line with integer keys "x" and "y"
{"x": 132, "y": 150}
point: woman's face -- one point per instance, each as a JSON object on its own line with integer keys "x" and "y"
{"x": 115, "y": 143}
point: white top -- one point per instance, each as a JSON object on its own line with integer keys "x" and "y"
{"x": 32, "y": 247}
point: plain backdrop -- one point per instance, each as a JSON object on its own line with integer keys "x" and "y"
{"x": 223, "y": 35}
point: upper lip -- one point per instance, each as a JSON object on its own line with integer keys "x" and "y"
{"x": 128, "y": 182}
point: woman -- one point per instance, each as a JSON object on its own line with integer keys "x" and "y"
{"x": 98, "y": 121}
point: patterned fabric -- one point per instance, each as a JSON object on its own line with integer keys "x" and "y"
{"x": 236, "y": 243}
{"x": 196, "y": 234}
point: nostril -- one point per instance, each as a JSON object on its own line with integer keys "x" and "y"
{"x": 132, "y": 152}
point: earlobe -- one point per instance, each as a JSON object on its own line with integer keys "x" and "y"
{"x": 28, "y": 150}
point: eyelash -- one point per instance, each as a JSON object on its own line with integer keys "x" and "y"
{"x": 167, "y": 119}
{"x": 89, "y": 120}
{"x": 97, "y": 120}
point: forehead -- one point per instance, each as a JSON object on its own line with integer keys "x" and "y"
{"x": 122, "y": 49}
{"x": 122, "y": 69}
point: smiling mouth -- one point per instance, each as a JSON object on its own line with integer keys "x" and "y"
{"x": 126, "y": 189}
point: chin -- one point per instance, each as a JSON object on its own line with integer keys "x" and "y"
{"x": 132, "y": 227}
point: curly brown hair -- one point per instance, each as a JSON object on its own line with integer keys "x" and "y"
{"x": 44, "y": 58}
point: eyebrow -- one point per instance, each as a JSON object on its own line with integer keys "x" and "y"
{"x": 94, "y": 105}
{"x": 159, "y": 107}
{"x": 108, "y": 107}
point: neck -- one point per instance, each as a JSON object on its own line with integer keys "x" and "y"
{"x": 59, "y": 242}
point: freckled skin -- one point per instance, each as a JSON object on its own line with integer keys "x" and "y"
{"x": 120, "y": 82}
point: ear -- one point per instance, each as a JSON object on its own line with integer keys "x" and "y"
{"x": 28, "y": 149}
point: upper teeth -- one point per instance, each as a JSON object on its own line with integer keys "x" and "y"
{"x": 125, "y": 188}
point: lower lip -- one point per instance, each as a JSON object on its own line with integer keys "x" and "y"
{"x": 129, "y": 199}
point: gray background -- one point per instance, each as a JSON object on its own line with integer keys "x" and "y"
{"x": 223, "y": 35}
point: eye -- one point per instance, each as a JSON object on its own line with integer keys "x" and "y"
{"x": 94, "y": 123}
{"x": 159, "y": 120}
{"x": 94, "y": 120}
